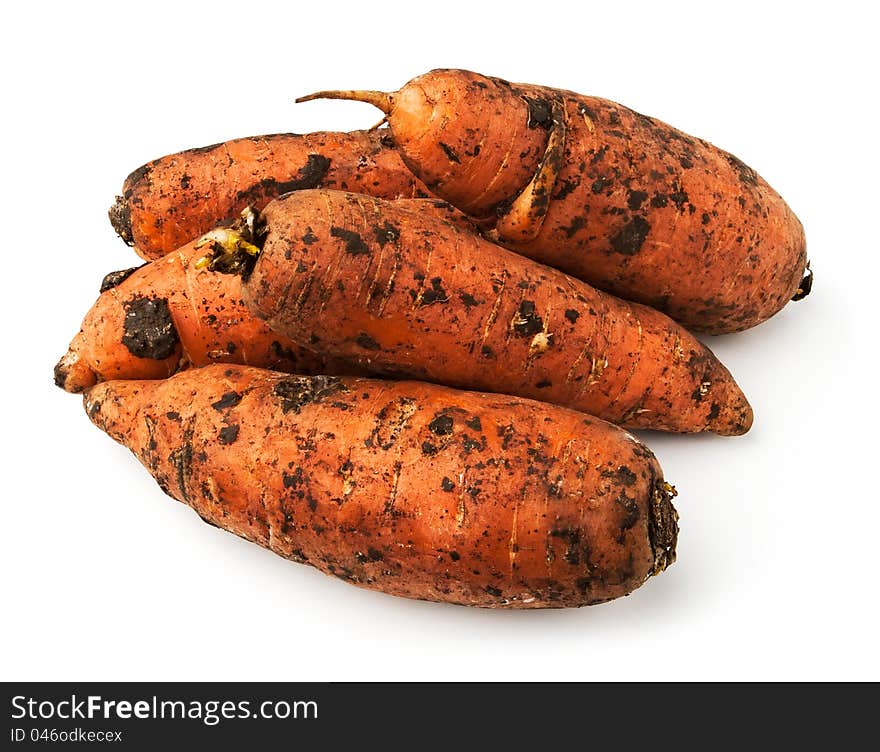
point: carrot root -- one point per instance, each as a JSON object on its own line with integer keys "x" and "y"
{"x": 237, "y": 444}
{"x": 381, "y": 99}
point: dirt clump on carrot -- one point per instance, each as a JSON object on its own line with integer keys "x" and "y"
{"x": 412, "y": 489}
{"x": 611, "y": 196}
{"x": 169, "y": 201}
{"x": 407, "y": 294}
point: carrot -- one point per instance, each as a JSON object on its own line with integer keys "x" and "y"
{"x": 153, "y": 320}
{"x": 608, "y": 195}
{"x": 407, "y": 294}
{"x": 412, "y": 489}
{"x": 172, "y": 200}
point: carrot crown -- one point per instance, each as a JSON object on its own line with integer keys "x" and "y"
{"x": 234, "y": 249}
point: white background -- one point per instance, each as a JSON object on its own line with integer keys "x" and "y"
{"x": 104, "y": 577}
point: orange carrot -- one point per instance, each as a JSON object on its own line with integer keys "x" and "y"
{"x": 408, "y": 294}
{"x": 412, "y": 489}
{"x": 613, "y": 197}
{"x": 151, "y": 321}
{"x": 172, "y": 200}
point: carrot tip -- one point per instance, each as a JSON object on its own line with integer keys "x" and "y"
{"x": 663, "y": 525}
{"x": 381, "y": 99}
{"x": 120, "y": 219}
{"x": 72, "y": 375}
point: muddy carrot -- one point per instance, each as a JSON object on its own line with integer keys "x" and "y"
{"x": 411, "y": 489}
{"x": 608, "y": 195}
{"x": 408, "y": 294}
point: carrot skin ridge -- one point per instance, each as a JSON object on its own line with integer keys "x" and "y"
{"x": 525, "y": 217}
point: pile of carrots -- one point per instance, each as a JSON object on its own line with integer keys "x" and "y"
{"x": 408, "y": 356}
